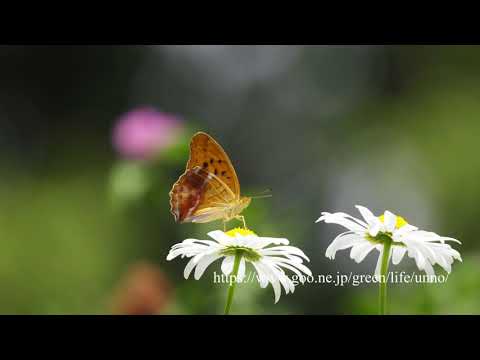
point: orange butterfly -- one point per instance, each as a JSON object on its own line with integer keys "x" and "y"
{"x": 209, "y": 189}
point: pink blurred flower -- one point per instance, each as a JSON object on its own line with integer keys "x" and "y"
{"x": 144, "y": 132}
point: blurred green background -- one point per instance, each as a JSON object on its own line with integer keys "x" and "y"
{"x": 83, "y": 230}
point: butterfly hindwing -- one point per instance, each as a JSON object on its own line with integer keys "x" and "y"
{"x": 199, "y": 196}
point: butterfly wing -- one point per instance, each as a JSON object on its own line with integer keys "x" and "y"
{"x": 199, "y": 196}
{"x": 209, "y": 186}
{"x": 206, "y": 153}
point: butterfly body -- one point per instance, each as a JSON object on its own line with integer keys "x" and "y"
{"x": 209, "y": 189}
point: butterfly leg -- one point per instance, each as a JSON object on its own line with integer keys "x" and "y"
{"x": 242, "y": 218}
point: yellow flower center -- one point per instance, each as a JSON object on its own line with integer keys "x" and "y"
{"x": 240, "y": 231}
{"x": 400, "y": 221}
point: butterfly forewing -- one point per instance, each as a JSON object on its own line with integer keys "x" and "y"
{"x": 206, "y": 153}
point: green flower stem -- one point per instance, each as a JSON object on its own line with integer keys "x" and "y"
{"x": 233, "y": 281}
{"x": 387, "y": 245}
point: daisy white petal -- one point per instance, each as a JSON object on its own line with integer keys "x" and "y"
{"x": 278, "y": 274}
{"x": 450, "y": 239}
{"x": 362, "y": 223}
{"x": 188, "y": 269}
{"x": 204, "y": 263}
{"x": 378, "y": 267}
{"x": 375, "y": 228}
{"x": 287, "y": 264}
{"x": 397, "y": 254}
{"x": 261, "y": 242}
{"x": 263, "y": 278}
{"x": 403, "y": 231}
{"x": 241, "y": 270}
{"x": 366, "y": 214}
{"x": 343, "y": 220}
{"x": 220, "y": 236}
{"x": 272, "y": 279}
{"x": 297, "y": 272}
{"x": 429, "y": 269}
{"x": 227, "y": 265}
{"x": 341, "y": 242}
{"x": 199, "y": 257}
{"x": 390, "y": 221}
{"x": 360, "y": 251}
{"x": 287, "y": 250}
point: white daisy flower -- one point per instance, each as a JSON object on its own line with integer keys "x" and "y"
{"x": 269, "y": 262}
{"x": 363, "y": 236}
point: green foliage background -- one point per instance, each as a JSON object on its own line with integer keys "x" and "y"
{"x": 392, "y": 127}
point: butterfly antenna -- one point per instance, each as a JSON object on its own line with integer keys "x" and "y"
{"x": 261, "y": 196}
{"x": 264, "y": 194}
